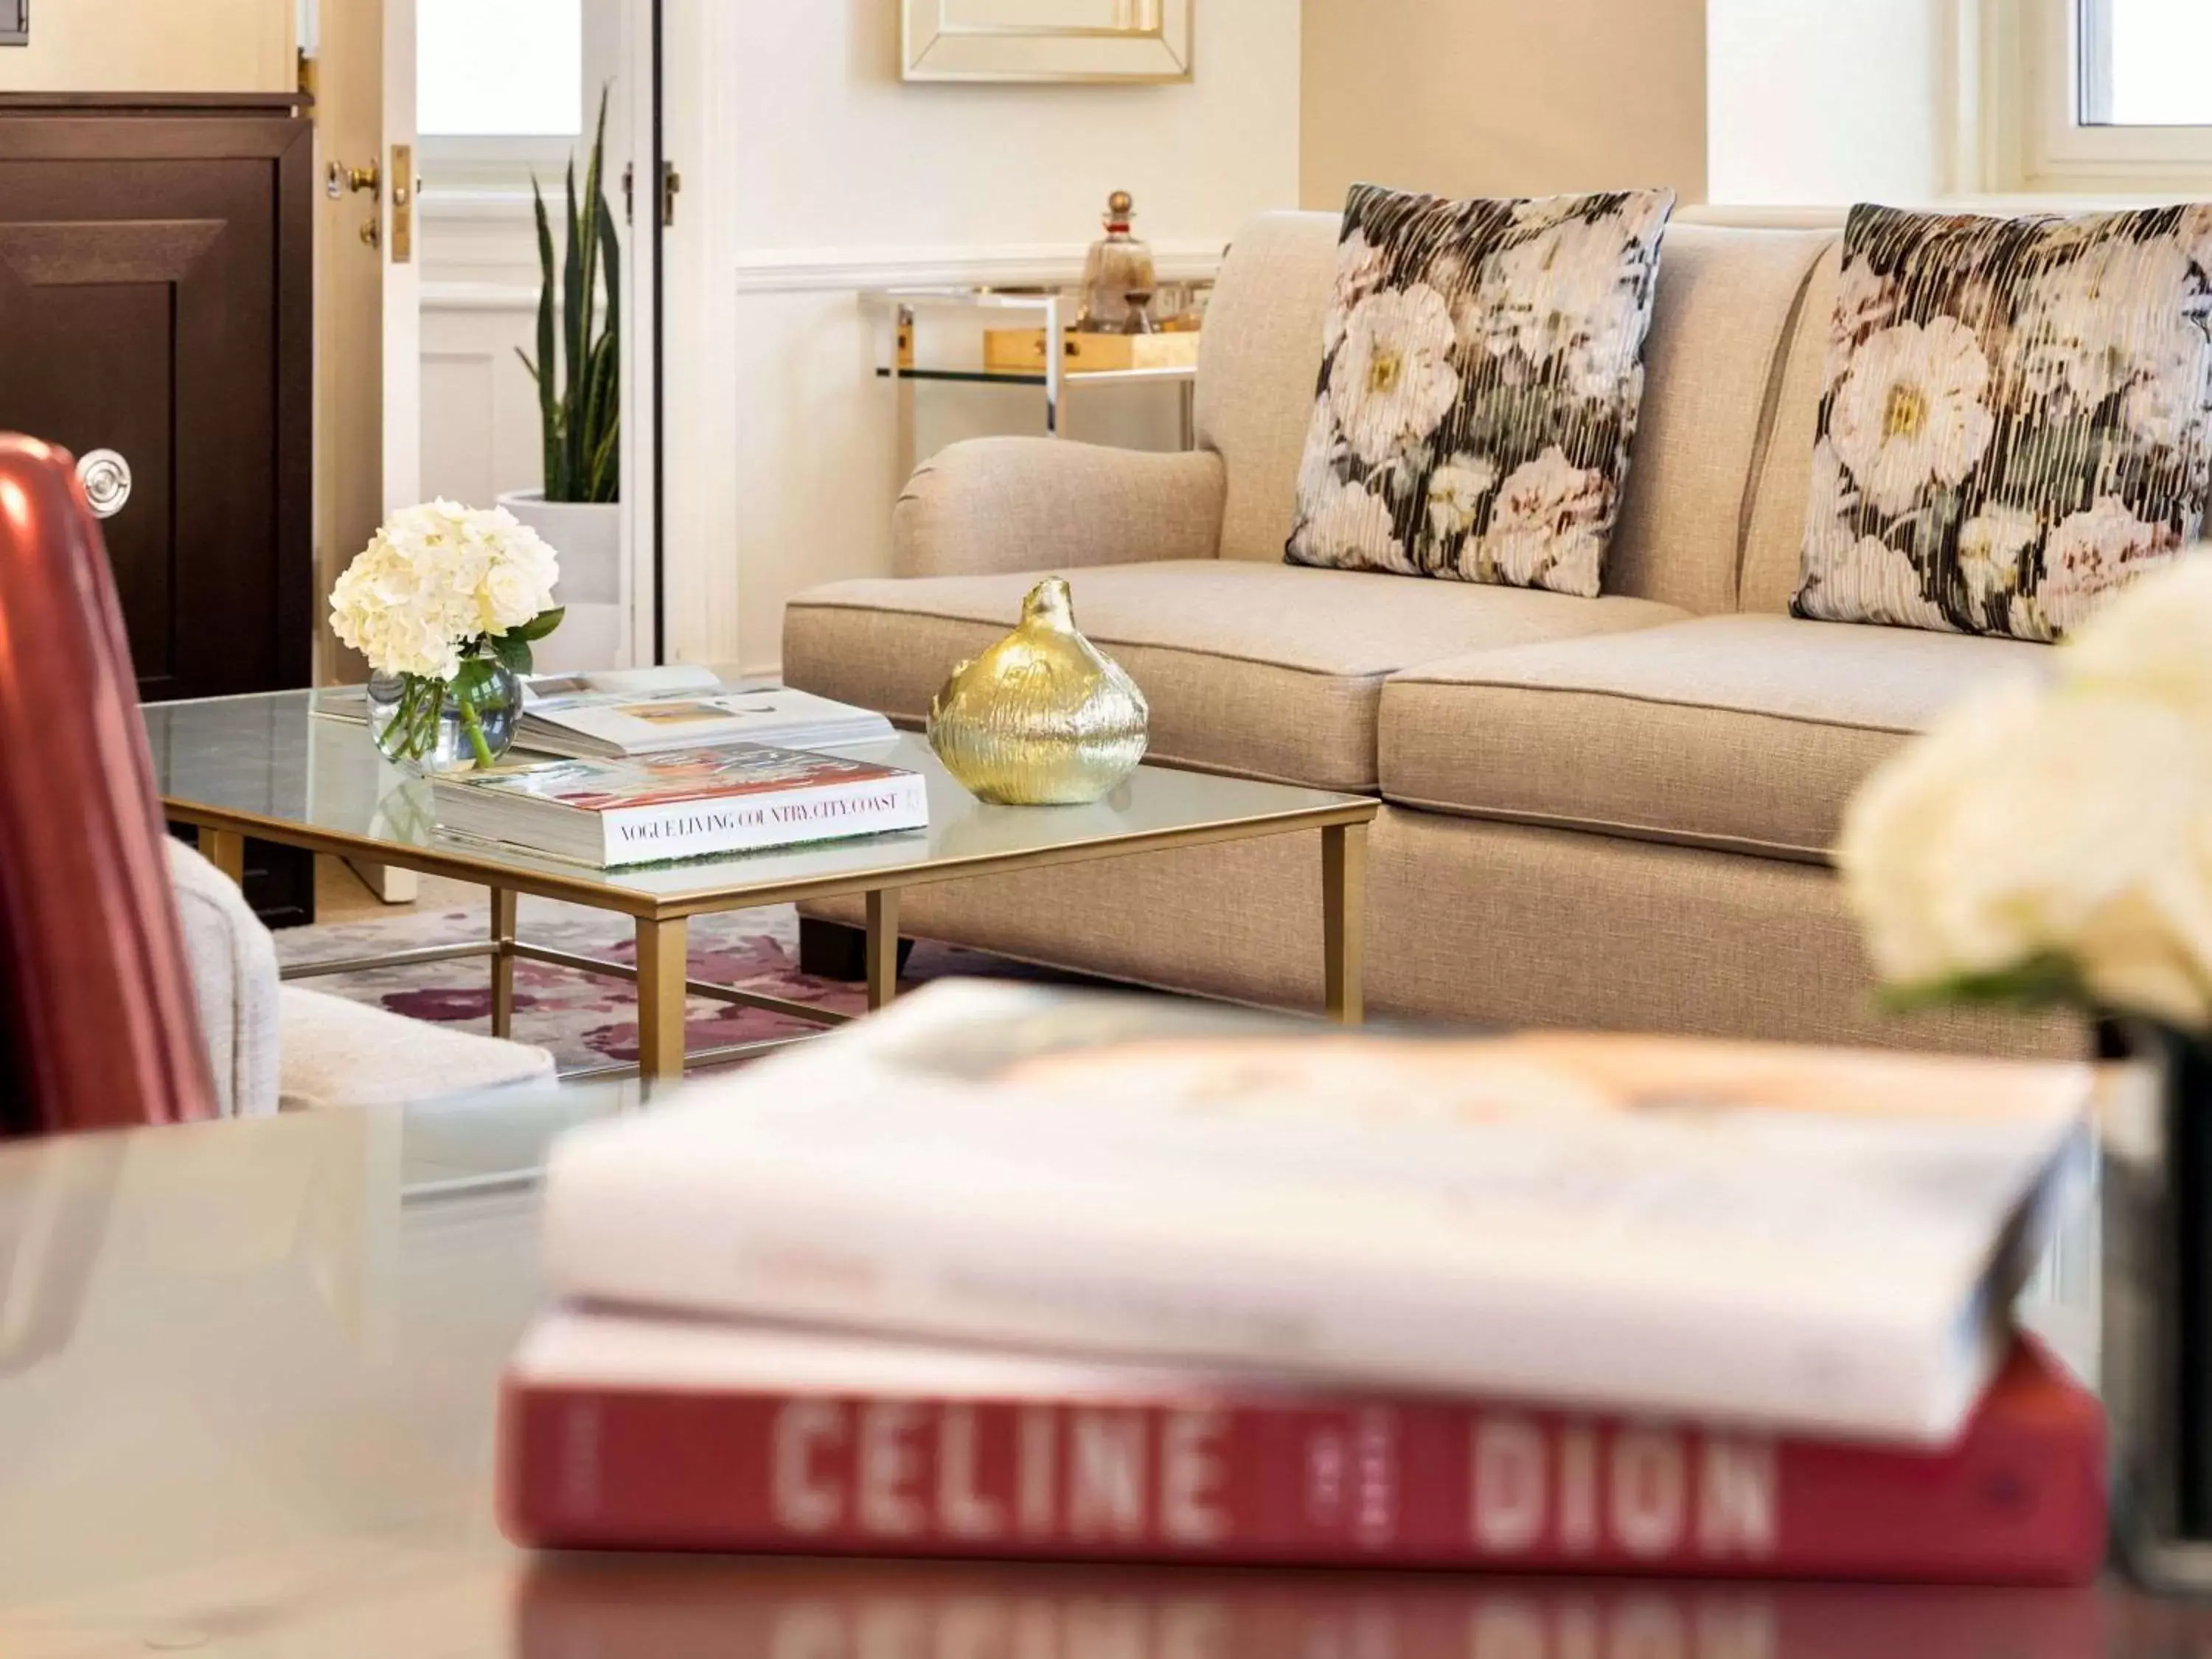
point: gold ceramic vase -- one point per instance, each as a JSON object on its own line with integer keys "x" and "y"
{"x": 1042, "y": 719}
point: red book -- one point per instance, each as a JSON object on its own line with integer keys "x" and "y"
{"x": 625, "y": 1433}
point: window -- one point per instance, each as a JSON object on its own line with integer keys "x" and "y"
{"x": 2101, "y": 96}
{"x": 499, "y": 68}
{"x": 504, "y": 88}
{"x": 2144, "y": 64}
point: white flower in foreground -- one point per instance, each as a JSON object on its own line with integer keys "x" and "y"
{"x": 1392, "y": 379}
{"x": 1351, "y": 529}
{"x": 1910, "y": 412}
{"x": 2025, "y": 826}
{"x": 2153, "y": 641}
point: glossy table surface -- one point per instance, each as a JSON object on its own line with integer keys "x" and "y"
{"x": 247, "y": 1377}
{"x": 267, "y": 764}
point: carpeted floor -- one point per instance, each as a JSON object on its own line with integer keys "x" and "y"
{"x": 583, "y": 1018}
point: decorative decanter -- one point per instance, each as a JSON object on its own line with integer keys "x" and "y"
{"x": 1119, "y": 265}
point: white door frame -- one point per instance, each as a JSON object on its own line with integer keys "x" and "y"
{"x": 641, "y": 249}
{"x": 698, "y": 381}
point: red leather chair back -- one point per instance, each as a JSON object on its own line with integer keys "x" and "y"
{"x": 100, "y": 1027}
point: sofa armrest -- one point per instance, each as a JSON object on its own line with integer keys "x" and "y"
{"x": 999, "y": 504}
{"x": 232, "y": 963}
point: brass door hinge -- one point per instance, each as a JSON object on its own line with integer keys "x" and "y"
{"x": 671, "y": 181}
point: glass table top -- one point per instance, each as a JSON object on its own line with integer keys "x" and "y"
{"x": 267, "y": 763}
{"x": 248, "y": 1377}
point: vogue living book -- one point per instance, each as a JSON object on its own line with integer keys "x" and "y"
{"x": 1821, "y": 1240}
{"x": 688, "y": 803}
{"x": 628, "y": 1433}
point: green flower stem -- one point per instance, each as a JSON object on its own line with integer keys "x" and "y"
{"x": 474, "y": 727}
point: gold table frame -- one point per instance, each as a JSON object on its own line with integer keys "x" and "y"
{"x": 662, "y": 983}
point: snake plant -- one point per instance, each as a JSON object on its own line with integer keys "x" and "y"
{"x": 581, "y": 409}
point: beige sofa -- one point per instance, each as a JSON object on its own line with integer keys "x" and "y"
{"x": 1609, "y": 813}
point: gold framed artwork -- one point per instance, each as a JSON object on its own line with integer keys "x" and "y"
{"x": 1095, "y": 41}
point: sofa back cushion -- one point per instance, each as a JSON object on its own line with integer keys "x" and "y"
{"x": 1259, "y": 357}
{"x": 1722, "y": 317}
{"x": 1721, "y": 321}
{"x": 1774, "y": 528}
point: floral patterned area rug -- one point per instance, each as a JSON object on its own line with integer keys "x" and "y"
{"x": 584, "y": 1019}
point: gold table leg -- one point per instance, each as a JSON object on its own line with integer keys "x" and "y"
{"x": 1343, "y": 920}
{"x": 883, "y": 947}
{"x": 225, "y": 849}
{"x": 502, "y": 961}
{"x": 660, "y": 977}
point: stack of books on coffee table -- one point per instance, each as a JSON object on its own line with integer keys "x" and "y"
{"x": 1017, "y": 1271}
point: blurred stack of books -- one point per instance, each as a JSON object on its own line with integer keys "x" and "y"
{"x": 1016, "y": 1271}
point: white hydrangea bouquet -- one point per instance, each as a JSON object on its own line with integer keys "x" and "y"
{"x": 444, "y": 602}
{"x": 2050, "y": 841}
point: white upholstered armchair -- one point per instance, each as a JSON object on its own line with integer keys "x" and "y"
{"x": 274, "y": 1045}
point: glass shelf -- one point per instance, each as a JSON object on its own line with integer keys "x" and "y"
{"x": 893, "y": 311}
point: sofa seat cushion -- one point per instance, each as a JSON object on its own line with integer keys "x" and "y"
{"x": 1265, "y": 670}
{"x": 1745, "y": 732}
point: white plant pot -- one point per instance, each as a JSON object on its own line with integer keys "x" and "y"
{"x": 587, "y": 537}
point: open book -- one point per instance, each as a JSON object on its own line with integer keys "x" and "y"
{"x": 593, "y": 724}
{"x": 616, "y": 712}
{"x": 1811, "y": 1239}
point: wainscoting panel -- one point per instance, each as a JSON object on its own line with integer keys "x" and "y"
{"x": 481, "y": 434}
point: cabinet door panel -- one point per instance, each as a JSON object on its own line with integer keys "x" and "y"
{"x": 156, "y": 300}
{"x": 152, "y": 336}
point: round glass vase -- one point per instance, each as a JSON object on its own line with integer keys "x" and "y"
{"x": 446, "y": 725}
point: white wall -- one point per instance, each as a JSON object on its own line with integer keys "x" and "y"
{"x": 1505, "y": 97}
{"x": 833, "y": 174}
{"x": 1814, "y": 101}
{"x": 811, "y": 171}
{"x": 155, "y": 45}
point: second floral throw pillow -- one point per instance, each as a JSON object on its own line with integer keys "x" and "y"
{"x": 2015, "y": 417}
{"x": 1482, "y": 369}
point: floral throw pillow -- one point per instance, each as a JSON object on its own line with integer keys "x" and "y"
{"x": 2014, "y": 418}
{"x": 1483, "y": 366}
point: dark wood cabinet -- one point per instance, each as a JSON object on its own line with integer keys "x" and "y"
{"x": 156, "y": 301}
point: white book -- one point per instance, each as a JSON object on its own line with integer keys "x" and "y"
{"x": 1816, "y": 1240}
{"x": 692, "y": 803}
{"x": 603, "y": 723}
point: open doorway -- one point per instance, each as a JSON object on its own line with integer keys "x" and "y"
{"x": 429, "y": 316}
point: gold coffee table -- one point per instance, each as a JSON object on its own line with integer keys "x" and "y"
{"x": 268, "y": 766}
